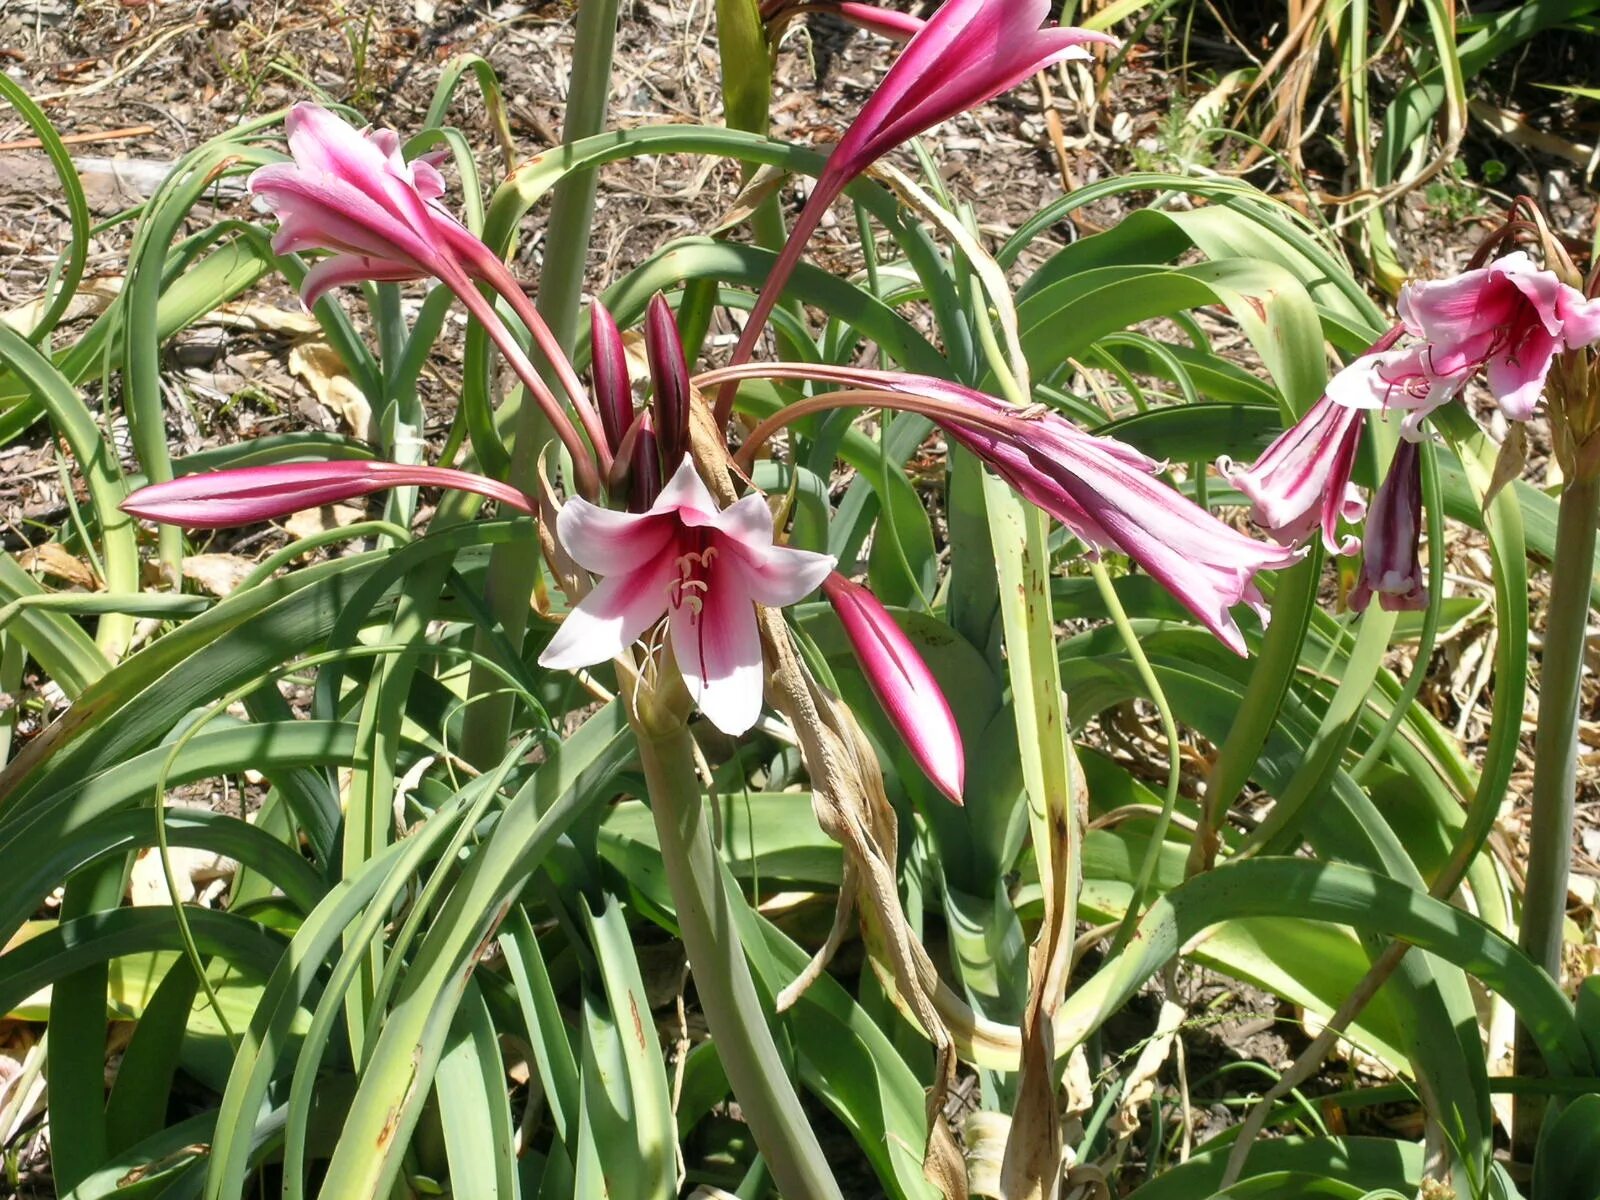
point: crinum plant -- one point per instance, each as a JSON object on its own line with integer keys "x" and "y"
{"x": 725, "y": 670}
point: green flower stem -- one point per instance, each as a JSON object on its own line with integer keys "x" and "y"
{"x": 1169, "y": 730}
{"x": 722, "y": 977}
{"x": 1555, "y": 765}
{"x": 514, "y": 567}
{"x": 1555, "y": 751}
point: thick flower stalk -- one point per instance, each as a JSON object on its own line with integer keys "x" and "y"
{"x": 1509, "y": 320}
{"x": 354, "y": 194}
{"x": 246, "y": 495}
{"x": 967, "y": 53}
{"x": 1103, "y": 490}
{"x": 1391, "y": 567}
{"x": 702, "y": 568}
{"x": 910, "y": 695}
{"x": 1302, "y": 482}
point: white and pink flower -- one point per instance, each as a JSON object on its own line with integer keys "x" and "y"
{"x": 1509, "y": 319}
{"x": 702, "y": 568}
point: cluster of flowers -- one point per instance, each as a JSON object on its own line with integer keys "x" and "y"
{"x": 1510, "y": 320}
{"x": 667, "y": 550}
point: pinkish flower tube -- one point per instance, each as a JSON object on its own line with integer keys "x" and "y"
{"x": 245, "y": 495}
{"x": 1103, "y": 490}
{"x": 967, "y": 53}
{"x": 1302, "y": 481}
{"x": 1391, "y": 567}
{"x": 910, "y": 695}
{"x": 885, "y": 22}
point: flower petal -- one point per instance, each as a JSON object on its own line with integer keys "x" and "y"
{"x": 687, "y": 495}
{"x": 718, "y": 651}
{"x": 346, "y": 270}
{"x": 1517, "y": 378}
{"x": 608, "y": 542}
{"x": 779, "y": 575}
{"x": 611, "y": 618}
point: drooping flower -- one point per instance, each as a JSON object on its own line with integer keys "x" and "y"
{"x": 910, "y": 695}
{"x": 245, "y": 495}
{"x": 704, "y": 569}
{"x": 1509, "y": 319}
{"x": 1391, "y": 567}
{"x": 354, "y": 194}
{"x": 967, "y": 53}
{"x": 1302, "y": 481}
{"x": 1104, "y": 490}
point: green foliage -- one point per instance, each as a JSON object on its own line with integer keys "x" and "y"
{"x": 449, "y": 961}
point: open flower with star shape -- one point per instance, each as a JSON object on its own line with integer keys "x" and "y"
{"x": 702, "y": 568}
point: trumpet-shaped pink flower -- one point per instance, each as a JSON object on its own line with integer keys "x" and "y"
{"x": 1103, "y": 490}
{"x": 1302, "y": 481}
{"x": 1391, "y": 567}
{"x": 245, "y": 495}
{"x": 702, "y": 568}
{"x": 1509, "y": 319}
{"x": 968, "y": 52}
{"x": 354, "y": 193}
{"x": 909, "y": 693}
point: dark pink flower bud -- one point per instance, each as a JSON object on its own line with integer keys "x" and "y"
{"x": 608, "y": 365}
{"x": 669, "y": 375}
{"x": 903, "y": 684}
{"x": 1391, "y": 568}
{"x": 644, "y": 467}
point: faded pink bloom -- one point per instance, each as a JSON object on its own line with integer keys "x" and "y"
{"x": 1302, "y": 481}
{"x": 909, "y": 693}
{"x": 1391, "y": 567}
{"x": 1103, "y": 490}
{"x": 967, "y": 53}
{"x": 354, "y": 193}
{"x": 702, "y": 568}
{"x": 1509, "y": 319}
{"x": 220, "y": 499}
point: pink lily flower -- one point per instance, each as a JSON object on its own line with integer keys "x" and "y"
{"x": 702, "y": 568}
{"x": 1509, "y": 319}
{"x": 1302, "y": 480}
{"x": 1103, "y": 490}
{"x": 1391, "y": 568}
{"x": 245, "y": 495}
{"x": 910, "y": 695}
{"x": 354, "y": 194}
{"x": 967, "y": 53}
